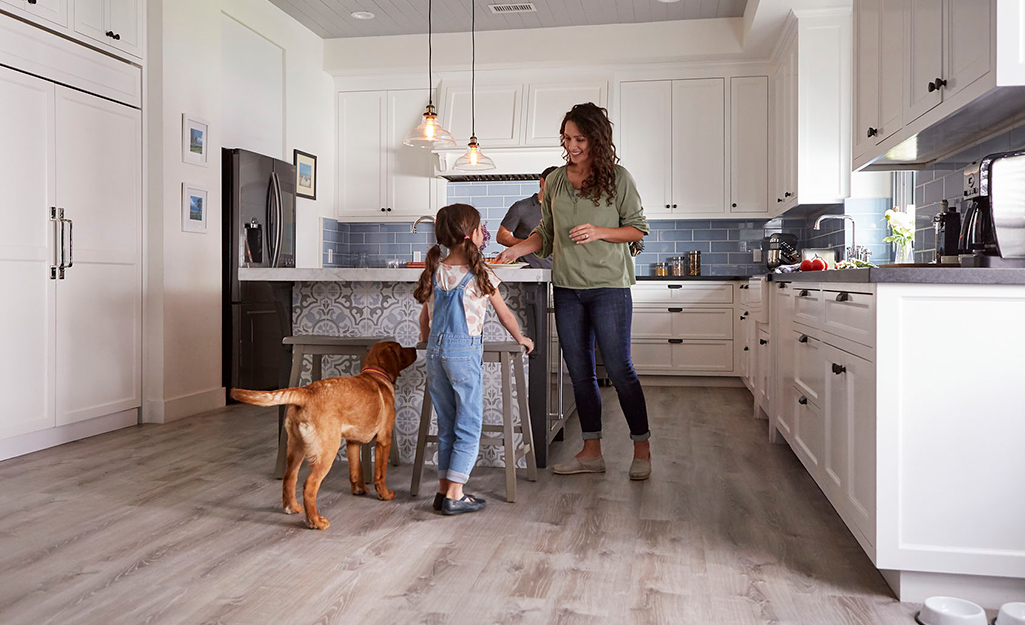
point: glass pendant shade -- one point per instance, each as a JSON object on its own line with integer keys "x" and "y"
{"x": 474, "y": 159}
{"x": 429, "y": 134}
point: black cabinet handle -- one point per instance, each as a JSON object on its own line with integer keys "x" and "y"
{"x": 939, "y": 82}
{"x": 746, "y": 348}
{"x": 674, "y": 205}
{"x": 675, "y": 286}
{"x": 667, "y": 206}
{"x": 743, "y": 317}
{"x": 872, "y": 132}
{"x": 31, "y": 1}
{"x": 782, "y": 285}
{"x": 932, "y": 86}
{"x": 675, "y": 341}
{"x": 787, "y": 194}
{"x": 804, "y": 293}
{"x": 843, "y": 296}
{"x": 747, "y": 312}
{"x": 803, "y": 339}
{"x": 734, "y": 205}
{"x": 117, "y": 37}
{"x": 109, "y": 33}
{"x": 838, "y": 369}
{"x": 803, "y": 400}
{"x": 779, "y": 199}
{"x": 675, "y": 310}
{"x": 762, "y": 342}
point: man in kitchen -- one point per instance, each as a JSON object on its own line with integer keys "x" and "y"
{"x": 521, "y": 219}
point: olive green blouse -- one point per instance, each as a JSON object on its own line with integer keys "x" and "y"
{"x": 598, "y": 264}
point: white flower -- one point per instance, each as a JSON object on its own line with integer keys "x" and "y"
{"x": 903, "y": 227}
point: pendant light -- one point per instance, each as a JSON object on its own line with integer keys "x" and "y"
{"x": 429, "y": 134}
{"x": 474, "y": 159}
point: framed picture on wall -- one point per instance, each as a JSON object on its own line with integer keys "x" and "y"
{"x": 194, "y": 208}
{"x": 305, "y": 174}
{"x": 194, "y": 140}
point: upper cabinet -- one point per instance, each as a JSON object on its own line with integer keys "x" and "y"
{"x": 953, "y": 58}
{"x": 812, "y": 99}
{"x": 514, "y": 114}
{"x": 116, "y": 26}
{"x": 697, "y": 147}
{"x": 114, "y": 23}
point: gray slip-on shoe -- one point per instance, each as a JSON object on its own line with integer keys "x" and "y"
{"x": 580, "y": 465}
{"x": 640, "y": 469}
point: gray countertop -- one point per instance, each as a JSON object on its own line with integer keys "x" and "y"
{"x": 376, "y": 274}
{"x": 689, "y": 278}
{"x": 908, "y": 275}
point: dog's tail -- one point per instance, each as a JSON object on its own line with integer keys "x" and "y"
{"x": 294, "y": 396}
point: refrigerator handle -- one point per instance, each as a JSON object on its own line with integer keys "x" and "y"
{"x": 57, "y": 268}
{"x": 278, "y": 229}
{"x": 271, "y": 216}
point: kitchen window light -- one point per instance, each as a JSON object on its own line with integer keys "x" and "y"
{"x": 474, "y": 159}
{"x": 429, "y": 134}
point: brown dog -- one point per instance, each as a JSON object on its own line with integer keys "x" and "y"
{"x": 321, "y": 414}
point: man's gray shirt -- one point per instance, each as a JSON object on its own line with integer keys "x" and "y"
{"x": 521, "y": 219}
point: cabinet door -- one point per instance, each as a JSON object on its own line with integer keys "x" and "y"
{"x": 790, "y": 127}
{"x": 779, "y": 138}
{"x": 362, "y": 158}
{"x": 27, "y": 170}
{"x": 891, "y": 68}
{"x": 55, "y": 11}
{"x": 763, "y": 352}
{"x": 646, "y": 143}
{"x": 90, "y": 20}
{"x": 967, "y": 43}
{"x": 925, "y": 56}
{"x": 494, "y": 112}
{"x": 749, "y": 145}
{"x": 99, "y": 304}
{"x": 860, "y": 400}
{"x": 783, "y": 349}
{"x": 699, "y": 147}
{"x": 866, "y": 75}
{"x": 409, "y": 169}
{"x": 124, "y": 19}
{"x": 835, "y": 408}
{"x": 548, "y": 104}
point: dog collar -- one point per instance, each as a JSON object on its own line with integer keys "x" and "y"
{"x": 379, "y": 372}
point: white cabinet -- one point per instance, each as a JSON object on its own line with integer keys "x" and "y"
{"x": 683, "y": 328}
{"x": 878, "y": 72}
{"x": 695, "y": 147}
{"x": 76, "y": 333}
{"x": 547, "y": 104}
{"x": 377, "y": 174}
{"x": 53, "y": 11}
{"x": 948, "y": 49}
{"x": 114, "y": 23}
{"x": 812, "y": 96}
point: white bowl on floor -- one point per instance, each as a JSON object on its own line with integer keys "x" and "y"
{"x": 1011, "y": 614}
{"x": 951, "y": 611}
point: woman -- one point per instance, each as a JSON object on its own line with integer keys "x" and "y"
{"x": 590, "y": 213}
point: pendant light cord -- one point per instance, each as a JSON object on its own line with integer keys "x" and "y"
{"x": 473, "y": 69}
{"x": 430, "y": 54}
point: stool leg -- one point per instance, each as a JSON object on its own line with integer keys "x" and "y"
{"x": 507, "y": 429}
{"x": 526, "y": 429}
{"x": 367, "y": 458}
{"x": 421, "y": 442}
{"x": 293, "y": 381}
{"x": 317, "y": 370}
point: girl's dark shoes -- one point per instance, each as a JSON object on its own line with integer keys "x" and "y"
{"x": 458, "y": 506}
{"x": 439, "y": 499}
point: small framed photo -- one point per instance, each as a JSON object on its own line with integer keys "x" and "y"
{"x": 305, "y": 174}
{"x": 194, "y": 208}
{"x": 194, "y": 140}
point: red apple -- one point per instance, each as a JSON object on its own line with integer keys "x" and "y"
{"x": 806, "y": 264}
{"x": 818, "y": 264}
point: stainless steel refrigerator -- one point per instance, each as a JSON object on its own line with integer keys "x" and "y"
{"x": 258, "y": 209}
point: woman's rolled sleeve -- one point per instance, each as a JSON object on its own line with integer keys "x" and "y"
{"x": 631, "y": 211}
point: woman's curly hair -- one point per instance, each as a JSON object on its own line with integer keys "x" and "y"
{"x": 593, "y": 122}
{"x": 453, "y": 227}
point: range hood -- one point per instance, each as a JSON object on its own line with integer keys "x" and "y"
{"x": 510, "y": 164}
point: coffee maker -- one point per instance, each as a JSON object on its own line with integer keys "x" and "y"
{"x": 993, "y": 227}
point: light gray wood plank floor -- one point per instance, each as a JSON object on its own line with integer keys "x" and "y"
{"x": 182, "y": 523}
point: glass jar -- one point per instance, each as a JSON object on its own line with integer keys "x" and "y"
{"x": 678, "y": 266}
{"x": 661, "y": 269}
{"x": 694, "y": 263}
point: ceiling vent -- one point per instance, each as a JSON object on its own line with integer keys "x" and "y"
{"x": 505, "y": 9}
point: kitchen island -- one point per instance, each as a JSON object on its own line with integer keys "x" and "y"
{"x": 379, "y": 301}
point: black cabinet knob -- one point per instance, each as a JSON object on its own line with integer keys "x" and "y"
{"x": 803, "y": 339}
{"x": 872, "y": 132}
{"x": 762, "y": 342}
{"x": 117, "y": 37}
{"x": 779, "y": 199}
{"x": 31, "y": 1}
{"x": 743, "y": 317}
{"x": 838, "y": 368}
{"x": 667, "y": 206}
{"x": 787, "y": 194}
{"x": 939, "y": 82}
{"x": 734, "y": 205}
{"x": 782, "y": 285}
{"x": 746, "y": 348}
{"x": 109, "y": 33}
{"x": 674, "y": 205}
{"x": 803, "y": 400}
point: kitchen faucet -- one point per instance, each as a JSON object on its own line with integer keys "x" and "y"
{"x": 855, "y": 251}
{"x": 420, "y": 219}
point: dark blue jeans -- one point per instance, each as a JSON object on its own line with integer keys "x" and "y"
{"x": 583, "y": 316}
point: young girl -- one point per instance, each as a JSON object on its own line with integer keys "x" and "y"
{"x": 455, "y": 292}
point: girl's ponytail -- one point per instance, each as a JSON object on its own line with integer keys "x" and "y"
{"x": 478, "y": 266}
{"x": 426, "y": 284}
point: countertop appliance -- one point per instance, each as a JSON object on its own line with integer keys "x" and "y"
{"x": 993, "y": 227}
{"x": 780, "y": 248}
{"x": 258, "y": 210}
{"x": 948, "y": 230}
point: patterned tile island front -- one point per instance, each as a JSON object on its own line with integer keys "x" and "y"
{"x": 379, "y": 301}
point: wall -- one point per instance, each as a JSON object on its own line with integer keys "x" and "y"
{"x": 182, "y": 369}
{"x": 945, "y": 181}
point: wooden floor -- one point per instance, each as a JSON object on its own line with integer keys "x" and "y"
{"x": 182, "y": 523}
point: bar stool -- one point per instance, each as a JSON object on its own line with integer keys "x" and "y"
{"x": 506, "y": 354}
{"x": 318, "y": 346}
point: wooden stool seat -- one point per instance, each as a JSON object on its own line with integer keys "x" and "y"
{"x": 509, "y": 355}
{"x": 317, "y": 346}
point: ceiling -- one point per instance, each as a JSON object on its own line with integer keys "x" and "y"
{"x": 332, "y": 18}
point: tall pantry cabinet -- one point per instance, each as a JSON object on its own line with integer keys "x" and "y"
{"x": 70, "y": 258}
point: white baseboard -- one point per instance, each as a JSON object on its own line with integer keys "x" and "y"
{"x": 689, "y": 380}
{"x": 166, "y": 411}
{"x": 989, "y": 592}
{"x": 51, "y": 437}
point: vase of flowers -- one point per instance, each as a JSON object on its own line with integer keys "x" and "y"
{"x": 902, "y": 234}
